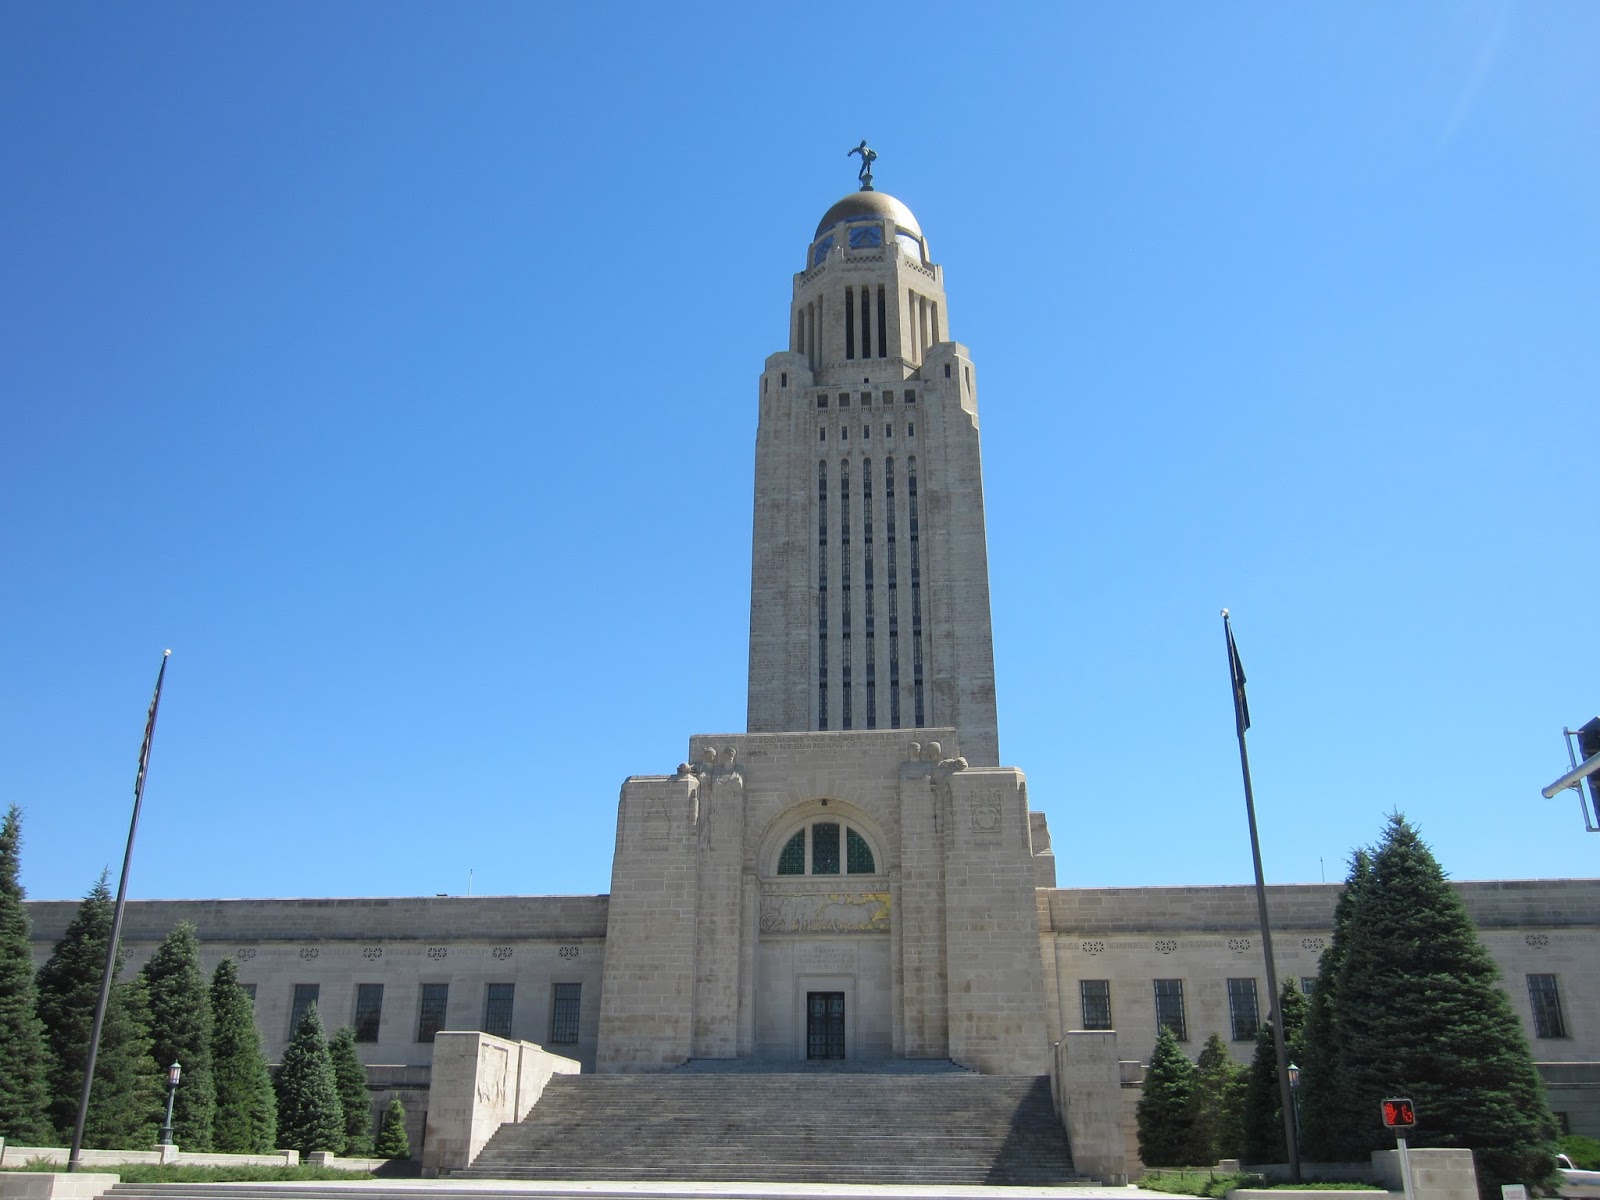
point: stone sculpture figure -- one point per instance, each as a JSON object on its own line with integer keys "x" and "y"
{"x": 868, "y": 157}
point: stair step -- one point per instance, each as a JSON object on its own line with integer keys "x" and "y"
{"x": 928, "y": 1126}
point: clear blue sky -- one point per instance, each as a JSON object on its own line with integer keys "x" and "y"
{"x": 395, "y": 364}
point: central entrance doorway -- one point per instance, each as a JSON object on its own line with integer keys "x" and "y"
{"x": 824, "y": 1025}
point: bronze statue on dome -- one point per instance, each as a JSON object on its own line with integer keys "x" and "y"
{"x": 868, "y": 157}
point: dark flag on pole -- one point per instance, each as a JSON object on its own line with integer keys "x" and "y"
{"x": 1241, "y": 706}
{"x": 150, "y": 728}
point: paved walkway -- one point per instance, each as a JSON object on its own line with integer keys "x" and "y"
{"x": 602, "y": 1190}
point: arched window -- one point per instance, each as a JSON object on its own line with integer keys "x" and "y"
{"x": 827, "y": 847}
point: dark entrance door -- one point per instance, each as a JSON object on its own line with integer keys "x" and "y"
{"x": 824, "y": 1024}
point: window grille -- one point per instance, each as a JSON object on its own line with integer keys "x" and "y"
{"x": 564, "y": 1007}
{"x": 1169, "y": 1008}
{"x": 1244, "y": 1009}
{"x": 859, "y": 854}
{"x": 497, "y": 1002}
{"x": 369, "y": 1011}
{"x": 1545, "y": 997}
{"x": 1096, "y": 997}
{"x": 793, "y": 859}
{"x": 305, "y": 995}
{"x": 430, "y": 1011}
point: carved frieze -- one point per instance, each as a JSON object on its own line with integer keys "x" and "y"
{"x": 824, "y": 912}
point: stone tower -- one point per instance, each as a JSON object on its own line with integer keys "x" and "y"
{"x": 855, "y": 877}
{"x": 869, "y": 593}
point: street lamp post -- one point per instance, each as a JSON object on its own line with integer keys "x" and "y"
{"x": 174, "y": 1073}
{"x": 1294, "y": 1097}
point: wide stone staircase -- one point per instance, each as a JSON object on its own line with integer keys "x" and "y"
{"x": 945, "y": 1127}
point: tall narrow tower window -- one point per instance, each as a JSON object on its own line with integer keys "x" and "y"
{"x": 883, "y": 325}
{"x": 845, "y": 721}
{"x": 822, "y": 594}
{"x": 866, "y": 322}
{"x": 868, "y": 616}
{"x": 849, "y": 322}
{"x": 918, "y": 712}
{"x": 892, "y": 599}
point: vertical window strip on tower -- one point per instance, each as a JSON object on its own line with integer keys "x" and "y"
{"x": 866, "y": 578}
{"x": 845, "y": 716}
{"x": 849, "y": 322}
{"x": 822, "y": 594}
{"x": 866, "y": 322}
{"x": 919, "y": 713}
{"x": 883, "y": 324}
{"x": 893, "y": 597}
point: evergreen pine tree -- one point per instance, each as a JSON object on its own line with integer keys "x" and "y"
{"x": 354, "y": 1098}
{"x": 1419, "y": 1015}
{"x": 247, "y": 1110}
{"x": 125, "y": 1093}
{"x": 1263, "y": 1111}
{"x": 23, "y": 1086}
{"x": 1164, "y": 1106}
{"x": 1216, "y": 1128}
{"x": 392, "y": 1140}
{"x": 1331, "y": 1128}
{"x": 126, "y": 1102}
{"x": 309, "y": 1116}
{"x": 180, "y": 1031}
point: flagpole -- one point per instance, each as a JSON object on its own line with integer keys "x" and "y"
{"x": 116, "y": 923}
{"x": 1241, "y": 716}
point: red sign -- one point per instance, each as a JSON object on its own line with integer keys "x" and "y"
{"x": 1399, "y": 1114}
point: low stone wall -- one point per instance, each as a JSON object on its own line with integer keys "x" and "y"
{"x": 479, "y": 1083}
{"x": 46, "y": 1185}
{"x": 1087, "y": 1084}
{"x": 16, "y": 1156}
{"x": 1436, "y": 1173}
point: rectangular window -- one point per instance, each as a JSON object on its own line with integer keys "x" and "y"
{"x": 430, "y": 1011}
{"x": 1545, "y": 998}
{"x": 1169, "y": 1008}
{"x": 1244, "y": 1009}
{"x": 564, "y": 1002}
{"x": 1308, "y": 984}
{"x": 822, "y": 400}
{"x": 250, "y": 990}
{"x": 911, "y": 396}
{"x": 305, "y": 995}
{"x": 497, "y": 1009}
{"x": 866, "y": 399}
{"x": 844, "y": 399}
{"x": 822, "y": 435}
{"x": 1096, "y": 994}
{"x": 369, "y": 1011}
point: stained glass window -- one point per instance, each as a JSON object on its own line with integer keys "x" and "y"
{"x": 824, "y": 848}
{"x": 860, "y": 854}
{"x": 793, "y": 859}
